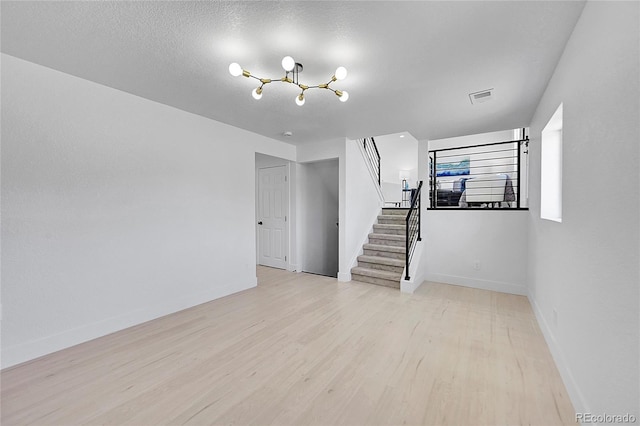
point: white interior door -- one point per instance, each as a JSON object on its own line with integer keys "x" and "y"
{"x": 272, "y": 216}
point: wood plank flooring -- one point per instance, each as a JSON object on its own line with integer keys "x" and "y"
{"x": 304, "y": 349}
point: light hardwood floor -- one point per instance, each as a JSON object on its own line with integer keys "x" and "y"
{"x": 303, "y": 349}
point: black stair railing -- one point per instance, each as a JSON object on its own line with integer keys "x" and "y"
{"x": 372, "y": 154}
{"x": 413, "y": 232}
{"x": 484, "y": 176}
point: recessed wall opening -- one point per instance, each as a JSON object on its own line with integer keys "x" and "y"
{"x": 551, "y": 169}
{"x": 492, "y": 174}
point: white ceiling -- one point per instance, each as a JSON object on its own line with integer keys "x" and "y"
{"x": 411, "y": 64}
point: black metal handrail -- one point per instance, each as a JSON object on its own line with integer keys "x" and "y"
{"x": 412, "y": 230}
{"x": 371, "y": 151}
{"x": 493, "y": 171}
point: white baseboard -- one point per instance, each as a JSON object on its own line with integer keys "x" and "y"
{"x": 344, "y": 276}
{"x": 577, "y": 398}
{"x": 409, "y": 286}
{"x": 24, "y": 352}
{"x": 500, "y": 286}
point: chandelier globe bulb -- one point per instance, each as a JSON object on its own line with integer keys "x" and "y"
{"x": 235, "y": 69}
{"x": 288, "y": 63}
{"x": 257, "y": 93}
{"x": 341, "y": 73}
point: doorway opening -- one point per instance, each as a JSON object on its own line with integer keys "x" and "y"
{"x": 319, "y": 223}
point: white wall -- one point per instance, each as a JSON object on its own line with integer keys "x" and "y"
{"x": 115, "y": 209}
{"x": 398, "y": 154}
{"x": 586, "y": 268}
{"x": 419, "y": 268}
{"x": 319, "y": 194}
{"x": 470, "y": 140}
{"x": 325, "y": 150}
{"x": 474, "y": 248}
{"x": 359, "y": 199}
{"x": 363, "y": 202}
{"x": 392, "y": 193}
{"x": 495, "y": 241}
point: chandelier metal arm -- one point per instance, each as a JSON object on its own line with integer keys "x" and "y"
{"x": 294, "y": 70}
{"x": 287, "y": 79}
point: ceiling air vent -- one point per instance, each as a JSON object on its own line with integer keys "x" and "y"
{"x": 481, "y": 96}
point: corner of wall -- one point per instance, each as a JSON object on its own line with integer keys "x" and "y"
{"x": 344, "y": 276}
{"x": 417, "y": 270}
{"x": 26, "y": 351}
{"x": 577, "y": 398}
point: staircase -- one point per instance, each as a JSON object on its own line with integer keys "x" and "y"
{"x": 384, "y": 256}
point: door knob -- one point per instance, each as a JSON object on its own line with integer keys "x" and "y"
{"x": 260, "y": 223}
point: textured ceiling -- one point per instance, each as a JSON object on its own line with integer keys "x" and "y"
{"x": 411, "y": 64}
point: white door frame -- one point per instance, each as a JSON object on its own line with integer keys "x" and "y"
{"x": 287, "y": 210}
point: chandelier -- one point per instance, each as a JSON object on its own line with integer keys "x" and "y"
{"x": 292, "y": 70}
